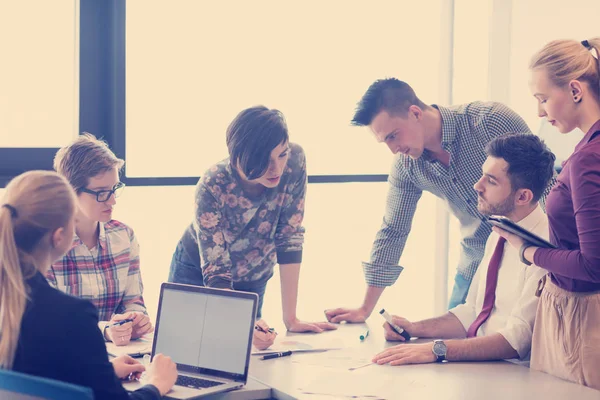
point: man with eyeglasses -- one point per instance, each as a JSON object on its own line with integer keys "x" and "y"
{"x": 103, "y": 265}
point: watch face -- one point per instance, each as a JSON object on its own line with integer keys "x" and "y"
{"x": 439, "y": 348}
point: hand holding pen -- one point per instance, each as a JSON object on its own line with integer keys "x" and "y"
{"x": 264, "y": 336}
{"x": 395, "y": 328}
{"x": 119, "y": 329}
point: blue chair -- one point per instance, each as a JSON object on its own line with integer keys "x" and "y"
{"x": 16, "y": 386}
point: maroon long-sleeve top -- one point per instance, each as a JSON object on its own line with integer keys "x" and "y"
{"x": 573, "y": 208}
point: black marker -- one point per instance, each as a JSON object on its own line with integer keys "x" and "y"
{"x": 395, "y": 327}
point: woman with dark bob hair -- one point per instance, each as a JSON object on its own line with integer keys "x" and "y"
{"x": 248, "y": 217}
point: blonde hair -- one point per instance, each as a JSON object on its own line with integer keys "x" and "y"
{"x": 35, "y": 203}
{"x": 567, "y": 60}
{"x": 85, "y": 158}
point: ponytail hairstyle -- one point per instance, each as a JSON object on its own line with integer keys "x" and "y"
{"x": 567, "y": 60}
{"x": 35, "y": 204}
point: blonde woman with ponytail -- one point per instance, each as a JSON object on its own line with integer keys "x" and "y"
{"x": 566, "y": 338}
{"x": 45, "y": 332}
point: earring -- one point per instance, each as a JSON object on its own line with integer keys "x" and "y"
{"x": 576, "y": 99}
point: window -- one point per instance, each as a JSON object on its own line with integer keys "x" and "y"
{"x": 38, "y": 79}
{"x": 471, "y": 51}
{"x": 312, "y": 60}
{"x": 39, "y": 98}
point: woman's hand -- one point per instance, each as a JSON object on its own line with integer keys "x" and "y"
{"x": 300, "y": 326}
{"x": 125, "y": 366}
{"x": 263, "y": 337}
{"x": 141, "y": 324}
{"x": 117, "y": 332}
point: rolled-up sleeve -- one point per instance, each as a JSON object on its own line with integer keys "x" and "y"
{"x": 466, "y": 313}
{"x": 518, "y": 330}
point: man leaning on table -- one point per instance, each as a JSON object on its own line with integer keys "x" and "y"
{"x": 496, "y": 322}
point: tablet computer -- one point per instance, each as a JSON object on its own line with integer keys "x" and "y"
{"x": 512, "y": 227}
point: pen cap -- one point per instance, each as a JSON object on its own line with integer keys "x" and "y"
{"x": 385, "y": 315}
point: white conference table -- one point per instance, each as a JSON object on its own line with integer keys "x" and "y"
{"x": 294, "y": 376}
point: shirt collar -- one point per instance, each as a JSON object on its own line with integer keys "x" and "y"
{"x": 533, "y": 219}
{"x": 448, "y": 125}
{"x": 101, "y": 237}
{"x": 588, "y": 136}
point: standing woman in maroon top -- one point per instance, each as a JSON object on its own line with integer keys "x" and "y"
{"x": 566, "y": 338}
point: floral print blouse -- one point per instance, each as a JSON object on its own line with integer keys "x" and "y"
{"x": 241, "y": 238}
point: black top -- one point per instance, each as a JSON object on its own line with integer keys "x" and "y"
{"x": 60, "y": 340}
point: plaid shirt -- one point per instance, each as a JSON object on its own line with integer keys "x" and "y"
{"x": 111, "y": 280}
{"x": 466, "y": 129}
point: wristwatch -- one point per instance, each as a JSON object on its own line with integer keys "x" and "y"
{"x": 439, "y": 350}
{"x": 524, "y": 247}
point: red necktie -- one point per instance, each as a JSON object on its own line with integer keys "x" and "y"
{"x": 490, "y": 288}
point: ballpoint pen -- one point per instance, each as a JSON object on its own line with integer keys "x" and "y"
{"x": 119, "y": 323}
{"x": 276, "y": 355}
{"x": 260, "y": 329}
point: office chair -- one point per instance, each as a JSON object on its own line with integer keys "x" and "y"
{"x": 18, "y": 386}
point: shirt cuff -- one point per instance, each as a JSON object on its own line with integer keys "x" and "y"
{"x": 381, "y": 275}
{"x": 133, "y": 307}
{"x": 465, "y": 314}
{"x": 218, "y": 283}
{"x": 102, "y": 327}
{"x": 289, "y": 257}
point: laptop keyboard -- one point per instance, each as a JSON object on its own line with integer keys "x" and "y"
{"x": 198, "y": 383}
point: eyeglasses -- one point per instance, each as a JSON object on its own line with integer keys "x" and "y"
{"x": 104, "y": 195}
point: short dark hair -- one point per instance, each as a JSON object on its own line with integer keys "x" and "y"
{"x": 85, "y": 158}
{"x": 530, "y": 161}
{"x": 251, "y": 137}
{"x": 391, "y": 95}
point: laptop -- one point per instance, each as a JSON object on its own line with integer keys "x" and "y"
{"x": 208, "y": 334}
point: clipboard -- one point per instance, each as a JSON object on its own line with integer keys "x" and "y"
{"x": 512, "y": 227}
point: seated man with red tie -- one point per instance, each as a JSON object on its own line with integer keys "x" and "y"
{"x": 496, "y": 322}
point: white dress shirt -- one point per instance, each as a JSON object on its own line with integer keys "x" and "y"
{"x": 515, "y": 307}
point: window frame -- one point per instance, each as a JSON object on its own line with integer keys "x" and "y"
{"x": 102, "y": 55}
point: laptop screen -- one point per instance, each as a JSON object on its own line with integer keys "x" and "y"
{"x": 205, "y": 330}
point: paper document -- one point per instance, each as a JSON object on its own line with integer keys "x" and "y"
{"x": 348, "y": 359}
{"x": 304, "y": 345}
{"x": 346, "y": 385}
{"x": 137, "y": 347}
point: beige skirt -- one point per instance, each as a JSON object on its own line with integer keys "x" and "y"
{"x": 566, "y": 335}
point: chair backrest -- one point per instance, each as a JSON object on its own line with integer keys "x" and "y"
{"x": 18, "y": 386}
